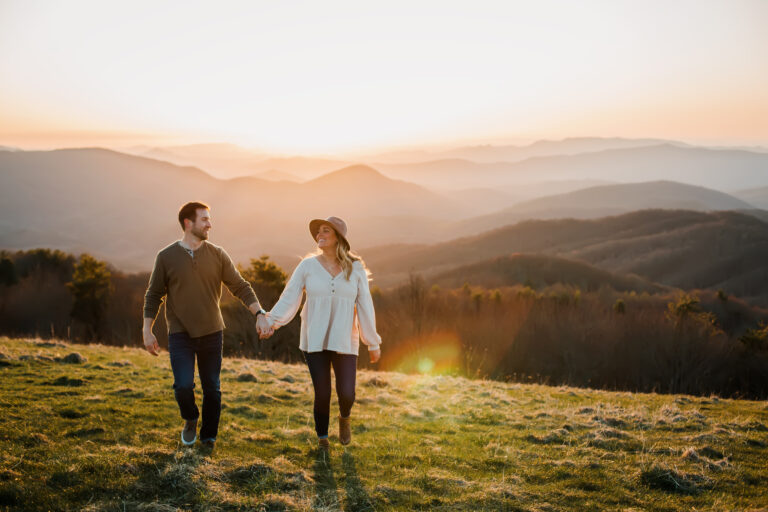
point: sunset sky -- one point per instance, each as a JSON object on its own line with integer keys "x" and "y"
{"x": 325, "y": 77}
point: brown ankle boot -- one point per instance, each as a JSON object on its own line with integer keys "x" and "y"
{"x": 345, "y": 430}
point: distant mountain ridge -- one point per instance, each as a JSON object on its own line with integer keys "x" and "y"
{"x": 490, "y": 153}
{"x": 713, "y": 168}
{"x": 604, "y": 200}
{"x": 579, "y": 158}
{"x": 277, "y": 176}
{"x": 123, "y": 207}
{"x": 756, "y": 196}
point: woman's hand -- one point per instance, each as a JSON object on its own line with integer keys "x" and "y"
{"x": 375, "y": 355}
{"x": 263, "y": 327}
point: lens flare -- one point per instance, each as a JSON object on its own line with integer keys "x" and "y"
{"x": 425, "y": 365}
{"x": 430, "y": 354}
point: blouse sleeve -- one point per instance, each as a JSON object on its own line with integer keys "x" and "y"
{"x": 365, "y": 314}
{"x": 290, "y": 300}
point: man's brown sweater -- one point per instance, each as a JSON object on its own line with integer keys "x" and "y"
{"x": 192, "y": 287}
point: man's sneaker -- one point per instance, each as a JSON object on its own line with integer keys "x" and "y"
{"x": 323, "y": 443}
{"x": 208, "y": 444}
{"x": 189, "y": 433}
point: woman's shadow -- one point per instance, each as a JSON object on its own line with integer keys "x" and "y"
{"x": 357, "y": 498}
{"x": 326, "y": 491}
{"x": 326, "y": 495}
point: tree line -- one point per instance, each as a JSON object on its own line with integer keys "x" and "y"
{"x": 696, "y": 342}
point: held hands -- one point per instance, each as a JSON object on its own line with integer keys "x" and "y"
{"x": 263, "y": 328}
{"x": 150, "y": 342}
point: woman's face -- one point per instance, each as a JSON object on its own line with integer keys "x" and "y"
{"x": 326, "y": 237}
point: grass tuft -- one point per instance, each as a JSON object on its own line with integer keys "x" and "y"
{"x": 662, "y": 477}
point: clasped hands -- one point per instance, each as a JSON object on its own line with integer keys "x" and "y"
{"x": 263, "y": 328}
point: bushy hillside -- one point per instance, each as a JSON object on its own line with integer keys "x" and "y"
{"x": 538, "y": 271}
{"x": 96, "y": 428}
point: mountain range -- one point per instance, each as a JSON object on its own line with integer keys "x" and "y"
{"x": 510, "y": 169}
{"x": 122, "y": 208}
{"x": 721, "y": 169}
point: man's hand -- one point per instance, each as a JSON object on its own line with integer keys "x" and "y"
{"x": 263, "y": 328}
{"x": 375, "y": 355}
{"x": 150, "y": 342}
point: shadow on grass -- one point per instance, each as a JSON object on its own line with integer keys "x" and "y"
{"x": 326, "y": 495}
{"x": 326, "y": 490}
{"x": 168, "y": 478}
{"x": 357, "y": 497}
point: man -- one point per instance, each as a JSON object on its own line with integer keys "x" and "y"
{"x": 189, "y": 273}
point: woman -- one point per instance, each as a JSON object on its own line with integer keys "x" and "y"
{"x": 338, "y": 302}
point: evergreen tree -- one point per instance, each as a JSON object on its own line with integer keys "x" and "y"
{"x": 8, "y": 274}
{"x": 266, "y": 278}
{"x": 91, "y": 287}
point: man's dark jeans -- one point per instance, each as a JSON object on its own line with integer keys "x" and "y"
{"x": 345, "y": 368}
{"x": 207, "y": 349}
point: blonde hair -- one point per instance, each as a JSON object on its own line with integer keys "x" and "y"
{"x": 345, "y": 257}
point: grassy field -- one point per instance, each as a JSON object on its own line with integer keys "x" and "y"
{"x": 99, "y": 430}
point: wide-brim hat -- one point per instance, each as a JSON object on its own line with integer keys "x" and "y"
{"x": 338, "y": 225}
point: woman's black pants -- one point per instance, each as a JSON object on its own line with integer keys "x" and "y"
{"x": 345, "y": 369}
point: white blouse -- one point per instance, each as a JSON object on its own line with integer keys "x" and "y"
{"x": 333, "y": 311}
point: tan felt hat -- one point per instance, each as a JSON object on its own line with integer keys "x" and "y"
{"x": 338, "y": 225}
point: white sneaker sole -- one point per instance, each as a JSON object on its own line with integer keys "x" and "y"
{"x": 187, "y": 443}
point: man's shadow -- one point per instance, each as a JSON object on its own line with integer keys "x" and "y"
{"x": 166, "y": 477}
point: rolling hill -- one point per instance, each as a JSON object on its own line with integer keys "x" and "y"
{"x": 604, "y": 200}
{"x": 755, "y": 196}
{"x": 538, "y": 271}
{"x": 678, "y": 248}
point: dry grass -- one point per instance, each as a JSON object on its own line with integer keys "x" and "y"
{"x": 101, "y": 433}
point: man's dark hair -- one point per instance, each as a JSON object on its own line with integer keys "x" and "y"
{"x": 189, "y": 211}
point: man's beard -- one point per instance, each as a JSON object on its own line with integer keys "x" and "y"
{"x": 199, "y": 233}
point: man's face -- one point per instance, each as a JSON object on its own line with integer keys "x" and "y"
{"x": 202, "y": 224}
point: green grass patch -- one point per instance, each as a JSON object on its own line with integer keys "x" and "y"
{"x": 100, "y": 431}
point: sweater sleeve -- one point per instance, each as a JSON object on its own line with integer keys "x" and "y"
{"x": 232, "y": 279}
{"x": 290, "y": 300}
{"x": 364, "y": 307}
{"x": 156, "y": 290}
